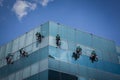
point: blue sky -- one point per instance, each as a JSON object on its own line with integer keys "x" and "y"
{"x": 100, "y": 17}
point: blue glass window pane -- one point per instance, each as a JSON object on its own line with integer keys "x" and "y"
{"x": 22, "y": 41}
{"x": 58, "y": 54}
{"x": 43, "y": 53}
{"x": 54, "y": 52}
{"x": 82, "y": 71}
{"x": 26, "y": 72}
{"x": 43, "y": 75}
{"x": 29, "y": 38}
{"x": 63, "y": 55}
{"x": 113, "y": 57}
{"x": 44, "y": 42}
{"x": 73, "y": 69}
{"x": 53, "y": 64}
{"x": 92, "y": 73}
{"x": 28, "y": 48}
{"x": 70, "y": 34}
{"x": 63, "y": 32}
{"x": 35, "y": 46}
{"x": 71, "y": 46}
{"x": 64, "y": 44}
{"x": 83, "y": 38}
{"x": 53, "y": 29}
{"x": 3, "y": 50}
{"x": 45, "y": 29}
{"x": 34, "y": 68}
{"x": 12, "y": 77}
{"x": 0, "y": 62}
{"x": 64, "y": 67}
{"x": 16, "y": 56}
{"x": 8, "y": 48}
{"x": 15, "y": 45}
{"x": 18, "y": 75}
{"x": 82, "y": 78}
{"x": 43, "y": 65}
{"x": 52, "y": 41}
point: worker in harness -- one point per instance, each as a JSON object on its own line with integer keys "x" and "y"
{"x": 58, "y": 43}
{"x": 78, "y": 52}
{"x": 93, "y": 57}
{"x": 75, "y": 56}
{"x": 9, "y": 58}
{"x": 23, "y": 53}
{"x": 39, "y": 36}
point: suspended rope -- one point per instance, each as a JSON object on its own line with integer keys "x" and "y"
{"x": 77, "y": 50}
{"x": 58, "y": 39}
{"x": 93, "y": 57}
{"x": 39, "y": 36}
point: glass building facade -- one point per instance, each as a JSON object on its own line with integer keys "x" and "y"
{"x": 46, "y": 61}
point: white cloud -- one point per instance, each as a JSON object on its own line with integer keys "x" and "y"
{"x": 21, "y": 8}
{"x": 1, "y": 3}
{"x": 43, "y": 2}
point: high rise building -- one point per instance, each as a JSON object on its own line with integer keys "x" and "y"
{"x": 53, "y": 51}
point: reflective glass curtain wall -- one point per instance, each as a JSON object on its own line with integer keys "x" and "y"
{"x": 46, "y": 59}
